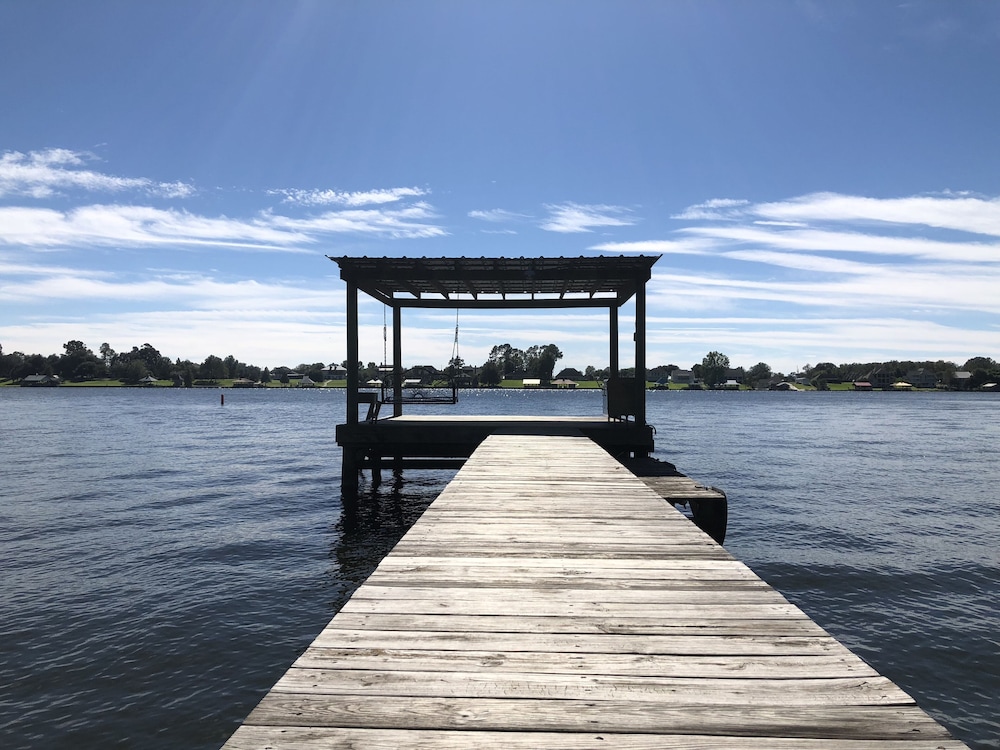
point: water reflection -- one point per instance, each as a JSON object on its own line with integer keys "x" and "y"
{"x": 372, "y": 523}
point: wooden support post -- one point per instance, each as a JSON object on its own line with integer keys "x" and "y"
{"x": 349, "y": 465}
{"x": 614, "y": 342}
{"x": 349, "y": 479}
{"x": 640, "y": 355}
{"x": 397, "y": 362}
{"x": 352, "y": 352}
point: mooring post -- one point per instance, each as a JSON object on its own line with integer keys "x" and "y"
{"x": 349, "y": 472}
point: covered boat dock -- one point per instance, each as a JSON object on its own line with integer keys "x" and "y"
{"x": 535, "y": 283}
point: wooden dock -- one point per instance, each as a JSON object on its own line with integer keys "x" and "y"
{"x": 548, "y": 598}
{"x": 409, "y": 441}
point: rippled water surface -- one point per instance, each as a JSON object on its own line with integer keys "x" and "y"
{"x": 165, "y": 557}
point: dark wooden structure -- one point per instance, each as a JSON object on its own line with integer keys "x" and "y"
{"x": 488, "y": 284}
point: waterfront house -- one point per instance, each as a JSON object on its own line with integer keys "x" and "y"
{"x": 922, "y": 378}
{"x": 784, "y": 386}
{"x": 769, "y": 383}
{"x": 570, "y": 373}
{"x": 564, "y": 383}
{"x": 423, "y": 374}
{"x": 682, "y": 377}
{"x": 335, "y": 372}
{"x": 961, "y": 380}
{"x": 881, "y": 377}
{"x": 40, "y": 381}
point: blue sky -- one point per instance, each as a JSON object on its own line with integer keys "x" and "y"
{"x": 822, "y": 179}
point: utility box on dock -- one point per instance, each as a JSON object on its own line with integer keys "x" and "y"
{"x": 620, "y": 398}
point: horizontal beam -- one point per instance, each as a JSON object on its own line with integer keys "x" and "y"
{"x": 500, "y": 304}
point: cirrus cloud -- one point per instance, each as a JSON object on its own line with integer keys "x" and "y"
{"x": 341, "y": 198}
{"x": 134, "y": 226}
{"x": 576, "y": 217}
{"x": 43, "y": 174}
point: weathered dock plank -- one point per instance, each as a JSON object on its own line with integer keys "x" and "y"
{"x": 548, "y": 598}
{"x": 365, "y": 710}
{"x": 351, "y": 738}
{"x": 544, "y": 662}
{"x": 696, "y": 625}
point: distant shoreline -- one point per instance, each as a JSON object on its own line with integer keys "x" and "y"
{"x": 592, "y": 385}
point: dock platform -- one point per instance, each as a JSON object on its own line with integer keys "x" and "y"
{"x": 548, "y": 598}
{"x": 409, "y": 441}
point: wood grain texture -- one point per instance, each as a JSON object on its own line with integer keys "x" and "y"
{"x": 548, "y": 598}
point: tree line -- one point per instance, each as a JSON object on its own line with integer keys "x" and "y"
{"x": 79, "y": 363}
{"x": 715, "y": 369}
{"x": 505, "y": 362}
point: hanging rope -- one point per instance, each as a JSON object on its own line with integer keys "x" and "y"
{"x": 454, "y": 348}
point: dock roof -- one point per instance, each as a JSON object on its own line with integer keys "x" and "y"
{"x": 499, "y": 282}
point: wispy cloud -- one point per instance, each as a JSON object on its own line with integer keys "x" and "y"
{"x": 141, "y": 226}
{"x": 827, "y": 241}
{"x": 44, "y": 174}
{"x": 173, "y": 289}
{"x": 411, "y": 222}
{"x": 497, "y": 216}
{"x": 676, "y": 247}
{"x": 715, "y": 209}
{"x": 865, "y": 292}
{"x": 350, "y": 199}
{"x": 883, "y": 268}
{"x": 575, "y": 217}
{"x": 128, "y": 222}
{"x": 138, "y": 226}
{"x": 962, "y": 213}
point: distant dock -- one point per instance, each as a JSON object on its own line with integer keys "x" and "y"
{"x": 548, "y": 598}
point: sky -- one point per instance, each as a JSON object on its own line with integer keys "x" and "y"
{"x": 821, "y": 180}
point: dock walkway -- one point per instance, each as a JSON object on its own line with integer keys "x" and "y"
{"x": 549, "y": 599}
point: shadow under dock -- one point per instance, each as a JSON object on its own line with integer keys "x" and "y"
{"x": 430, "y": 442}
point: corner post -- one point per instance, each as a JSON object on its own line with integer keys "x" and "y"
{"x": 397, "y": 361}
{"x": 352, "y": 351}
{"x": 613, "y": 367}
{"x": 640, "y": 354}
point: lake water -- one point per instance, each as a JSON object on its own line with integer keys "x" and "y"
{"x": 165, "y": 558}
